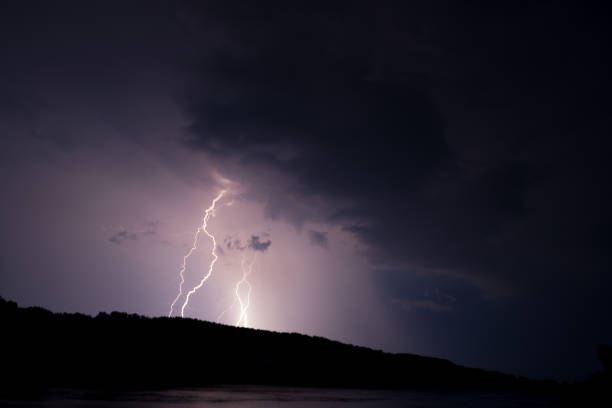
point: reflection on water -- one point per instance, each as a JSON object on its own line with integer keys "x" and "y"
{"x": 259, "y": 396}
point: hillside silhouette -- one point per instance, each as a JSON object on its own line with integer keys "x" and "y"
{"x": 127, "y": 351}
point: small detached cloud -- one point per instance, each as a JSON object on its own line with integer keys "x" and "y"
{"x": 256, "y": 244}
{"x": 123, "y": 235}
{"x": 318, "y": 238}
{"x": 234, "y": 244}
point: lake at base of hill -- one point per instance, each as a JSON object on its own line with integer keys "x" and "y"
{"x": 263, "y": 396}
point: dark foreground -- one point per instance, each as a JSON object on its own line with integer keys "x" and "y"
{"x": 45, "y": 351}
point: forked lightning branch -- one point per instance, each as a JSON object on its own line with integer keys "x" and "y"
{"x": 242, "y": 289}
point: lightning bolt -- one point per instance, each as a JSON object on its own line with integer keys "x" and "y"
{"x": 210, "y": 211}
{"x": 247, "y": 269}
{"x": 225, "y": 311}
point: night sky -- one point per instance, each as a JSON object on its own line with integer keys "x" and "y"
{"x": 426, "y": 177}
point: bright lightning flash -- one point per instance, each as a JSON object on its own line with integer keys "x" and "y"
{"x": 247, "y": 269}
{"x": 210, "y": 211}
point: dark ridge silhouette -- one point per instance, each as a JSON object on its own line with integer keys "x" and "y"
{"x": 42, "y": 349}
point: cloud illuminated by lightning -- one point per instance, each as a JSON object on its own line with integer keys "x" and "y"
{"x": 210, "y": 211}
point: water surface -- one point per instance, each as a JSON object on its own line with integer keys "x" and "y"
{"x": 260, "y": 396}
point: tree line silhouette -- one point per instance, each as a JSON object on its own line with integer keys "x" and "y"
{"x": 127, "y": 351}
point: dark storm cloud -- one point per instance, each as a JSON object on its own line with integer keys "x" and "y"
{"x": 365, "y": 106}
{"x": 358, "y": 129}
{"x": 475, "y": 146}
{"x": 318, "y": 238}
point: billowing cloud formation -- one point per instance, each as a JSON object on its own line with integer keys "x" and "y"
{"x": 451, "y": 147}
{"x": 370, "y": 122}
